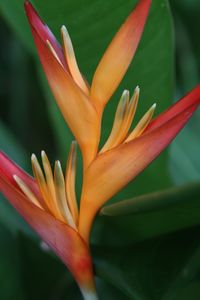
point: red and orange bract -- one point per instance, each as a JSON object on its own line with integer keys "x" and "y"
{"x": 65, "y": 241}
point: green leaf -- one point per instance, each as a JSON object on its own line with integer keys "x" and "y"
{"x": 159, "y": 269}
{"x": 156, "y": 269}
{"x": 184, "y": 154}
{"x": 44, "y": 276}
{"x": 10, "y": 276}
{"x": 152, "y": 68}
{"x": 186, "y": 14}
{"x": 38, "y": 262}
{"x": 10, "y": 145}
{"x": 13, "y": 11}
{"x": 151, "y": 215}
{"x": 107, "y": 291}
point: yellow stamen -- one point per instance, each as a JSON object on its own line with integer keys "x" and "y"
{"x": 70, "y": 181}
{"x": 39, "y": 176}
{"x": 128, "y": 118}
{"x": 53, "y": 52}
{"x": 118, "y": 121}
{"x": 131, "y": 109}
{"x": 50, "y": 186}
{"x": 142, "y": 125}
{"x": 25, "y": 189}
{"x": 71, "y": 60}
{"x": 61, "y": 194}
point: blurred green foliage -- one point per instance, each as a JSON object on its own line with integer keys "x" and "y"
{"x": 185, "y": 162}
{"x": 157, "y": 254}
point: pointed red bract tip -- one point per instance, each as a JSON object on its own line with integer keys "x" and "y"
{"x": 43, "y": 30}
{"x": 189, "y": 100}
{"x": 8, "y": 168}
{"x": 119, "y": 54}
{"x": 32, "y": 14}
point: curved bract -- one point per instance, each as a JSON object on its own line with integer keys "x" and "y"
{"x": 65, "y": 241}
{"x": 118, "y": 56}
{"x": 115, "y": 168}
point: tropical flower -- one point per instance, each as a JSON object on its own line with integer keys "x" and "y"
{"x": 81, "y": 105}
{"x": 48, "y": 202}
{"x": 49, "y": 206}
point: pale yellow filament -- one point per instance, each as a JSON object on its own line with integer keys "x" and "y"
{"x": 50, "y": 186}
{"x": 61, "y": 194}
{"x": 118, "y": 121}
{"x": 26, "y": 190}
{"x": 71, "y": 60}
{"x": 70, "y": 182}
{"x": 142, "y": 124}
{"x": 53, "y": 52}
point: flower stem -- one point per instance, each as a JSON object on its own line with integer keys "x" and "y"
{"x": 89, "y": 294}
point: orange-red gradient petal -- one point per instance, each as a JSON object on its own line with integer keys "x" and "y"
{"x": 8, "y": 168}
{"x": 65, "y": 242}
{"x": 192, "y": 98}
{"x": 76, "y": 108}
{"x": 114, "y": 169}
{"x": 118, "y": 55}
{"x": 43, "y": 30}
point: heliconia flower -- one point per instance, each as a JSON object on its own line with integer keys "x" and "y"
{"x": 82, "y": 105}
{"x": 126, "y": 154}
{"x": 48, "y": 202}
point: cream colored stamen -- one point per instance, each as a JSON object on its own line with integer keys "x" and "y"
{"x": 40, "y": 179}
{"x": 70, "y": 181}
{"x": 118, "y": 121}
{"x": 142, "y": 124}
{"x": 132, "y": 109}
{"x": 128, "y": 118}
{"x": 53, "y": 52}
{"x": 50, "y": 186}
{"x": 71, "y": 60}
{"x": 25, "y": 189}
{"x": 61, "y": 194}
